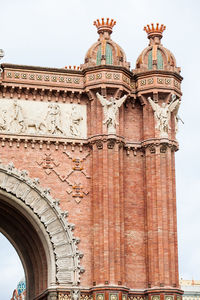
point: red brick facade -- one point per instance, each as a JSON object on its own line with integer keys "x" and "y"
{"x": 119, "y": 188}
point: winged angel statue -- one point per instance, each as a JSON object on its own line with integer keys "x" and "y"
{"x": 162, "y": 114}
{"x": 110, "y": 109}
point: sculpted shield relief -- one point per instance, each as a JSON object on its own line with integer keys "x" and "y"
{"x": 36, "y": 118}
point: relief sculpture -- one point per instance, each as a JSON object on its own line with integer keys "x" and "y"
{"x": 28, "y": 117}
{"x": 162, "y": 115}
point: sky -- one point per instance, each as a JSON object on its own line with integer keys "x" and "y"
{"x": 59, "y": 33}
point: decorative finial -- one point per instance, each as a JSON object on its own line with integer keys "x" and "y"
{"x": 154, "y": 31}
{"x": 104, "y": 26}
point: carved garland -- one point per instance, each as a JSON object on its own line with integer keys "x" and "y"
{"x": 47, "y": 209}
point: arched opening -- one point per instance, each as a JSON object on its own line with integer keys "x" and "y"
{"x": 23, "y": 235}
{"x": 39, "y": 231}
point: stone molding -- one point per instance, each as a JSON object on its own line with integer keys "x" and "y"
{"x": 60, "y": 231}
{"x": 98, "y": 140}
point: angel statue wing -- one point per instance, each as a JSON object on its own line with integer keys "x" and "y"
{"x": 174, "y": 105}
{"x": 102, "y": 99}
{"x": 153, "y": 104}
{"x": 121, "y": 100}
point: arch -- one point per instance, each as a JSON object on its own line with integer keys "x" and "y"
{"x": 38, "y": 229}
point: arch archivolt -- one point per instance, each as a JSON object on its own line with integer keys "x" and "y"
{"x": 64, "y": 255}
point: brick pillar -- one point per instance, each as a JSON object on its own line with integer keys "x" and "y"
{"x": 108, "y": 212}
{"x": 161, "y": 216}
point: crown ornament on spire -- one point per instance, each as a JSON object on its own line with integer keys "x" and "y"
{"x": 154, "y": 31}
{"x": 104, "y": 26}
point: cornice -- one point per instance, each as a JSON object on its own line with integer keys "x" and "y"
{"x": 108, "y": 67}
{"x": 38, "y": 68}
{"x": 157, "y": 72}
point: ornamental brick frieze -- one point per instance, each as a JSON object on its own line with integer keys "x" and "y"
{"x": 43, "y": 78}
{"x": 108, "y": 77}
{"x": 166, "y": 81}
{"x": 75, "y": 177}
{"x": 74, "y": 295}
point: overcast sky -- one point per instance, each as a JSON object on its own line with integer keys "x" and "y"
{"x": 58, "y": 33}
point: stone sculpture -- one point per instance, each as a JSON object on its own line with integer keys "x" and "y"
{"x": 75, "y": 119}
{"x": 28, "y": 117}
{"x": 53, "y": 119}
{"x": 110, "y": 108}
{"x": 162, "y": 114}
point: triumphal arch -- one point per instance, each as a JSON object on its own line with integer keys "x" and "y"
{"x": 87, "y": 173}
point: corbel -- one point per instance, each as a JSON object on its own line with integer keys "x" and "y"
{"x": 168, "y": 99}
{"x": 64, "y": 96}
{"x": 81, "y": 147}
{"x": 48, "y": 145}
{"x": 25, "y": 143}
{"x": 33, "y": 144}
{"x": 3, "y": 140}
{"x": 19, "y": 92}
{"x": 49, "y": 95}
{"x": 128, "y": 150}
{"x": 117, "y": 93}
{"x": 41, "y": 144}
{"x": 57, "y": 94}
{"x": 90, "y": 95}
{"x": 104, "y": 92}
{"x": 4, "y": 91}
{"x": 142, "y": 99}
{"x": 34, "y": 93}
{"x": 12, "y": 89}
{"x": 155, "y": 97}
{"x": 10, "y": 142}
{"x": 27, "y": 91}
{"x": 72, "y": 97}
{"x": 56, "y": 145}
{"x": 79, "y": 97}
{"x": 73, "y": 146}
{"x": 132, "y": 100}
{"x": 65, "y": 145}
{"x": 42, "y": 93}
{"x": 18, "y": 143}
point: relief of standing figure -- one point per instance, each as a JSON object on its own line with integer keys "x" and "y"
{"x": 18, "y": 118}
{"x": 75, "y": 119}
{"x": 53, "y": 119}
{"x": 110, "y": 108}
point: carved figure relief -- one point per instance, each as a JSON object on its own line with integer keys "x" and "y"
{"x": 110, "y": 109}
{"x": 162, "y": 114}
{"x": 75, "y": 121}
{"x": 41, "y": 118}
{"x": 53, "y": 119}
